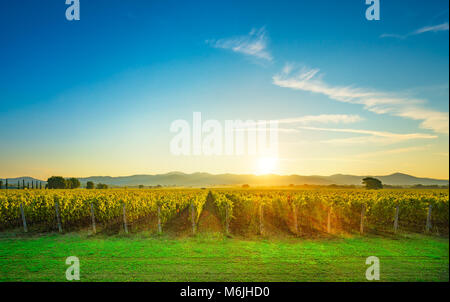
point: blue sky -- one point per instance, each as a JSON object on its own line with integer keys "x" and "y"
{"x": 97, "y": 96}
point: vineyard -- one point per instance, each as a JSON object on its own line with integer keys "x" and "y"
{"x": 240, "y": 212}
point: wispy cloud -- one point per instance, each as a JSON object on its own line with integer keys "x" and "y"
{"x": 365, "y": 140}
{"x": 393, "y": 151}
{"x": 397, "y": 136}
{"x": 374, "y": 101}
{"x": 363, "y": 157}
{"x": 264, "y": 129}
{"x": 317, "y": 119}
{"x": 253, "y": 44}
{"x": 371, "y": 134}
{"x": 445, "y": 154}
{"x": 302, "y": 120}
{"x": 323, "y": 119}
{"x": 432, "y": 28}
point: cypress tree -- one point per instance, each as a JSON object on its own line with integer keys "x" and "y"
{"x": 6, "y": 186}
{"x": 23, "y": 183}
{"x": 18, "y": 185}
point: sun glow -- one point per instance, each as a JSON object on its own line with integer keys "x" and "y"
{"x": 266, "y": 165}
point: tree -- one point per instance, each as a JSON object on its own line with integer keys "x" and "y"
{"x": 372, "y": 183}
{"x": 141, "y": 186}
{"x": 89, "y": 185}
{"x": 72, "y": 183}
{"x": 56, "y": 182}
{"x": 18, "y": 184}
{"x": 1, "y": 184}
{"x": 6, "y": 186}
{"x": 246, "y": 186}
{"x": 102, "y": 186}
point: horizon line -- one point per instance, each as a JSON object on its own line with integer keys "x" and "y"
{"x": 236, "y": 174}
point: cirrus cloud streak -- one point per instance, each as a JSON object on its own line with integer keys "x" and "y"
{"x": 254, "y": 44}
{"x": 373, "y": 101}
{"x": 425, "y": 29}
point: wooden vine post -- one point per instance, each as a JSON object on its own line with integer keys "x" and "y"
{"x": 261, "y": 218}
{"x": 397, "y": 208}
{"x": 159, "y": 220}
{"x": 24, "y": 221}
{"x": 363, "y": 211}
{"x": 193, "y": 217}
{"x": 94, "y": 229}
{"x": 58, "y": 217}
{"x": 428, "y": 226}
{"x": 125, "y": 226}
{"x": 227, "y": 219}
{"x": 329, "y": 221}
{"x": 295, "y": 210}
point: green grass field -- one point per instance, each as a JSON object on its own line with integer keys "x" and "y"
{"x": 216, "y": 258}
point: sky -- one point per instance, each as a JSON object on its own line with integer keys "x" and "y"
{"x": 98, "y": 96}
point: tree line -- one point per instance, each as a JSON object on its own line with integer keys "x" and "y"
{"x": 21, "y": 185}
{"x": 54, "y": 182}
{"x": 58, "y": 182}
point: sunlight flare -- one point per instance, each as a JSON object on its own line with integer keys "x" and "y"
{"x": 266, "y": 165}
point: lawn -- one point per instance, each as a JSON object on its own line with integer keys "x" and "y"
{"x": 217, "y": 258}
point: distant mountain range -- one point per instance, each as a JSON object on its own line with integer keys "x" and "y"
{"x": 206, "y": 179}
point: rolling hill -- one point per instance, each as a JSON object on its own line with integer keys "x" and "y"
{"x": 207, "y": 179}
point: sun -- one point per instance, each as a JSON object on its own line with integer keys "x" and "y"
{"x": 266, "y": 165}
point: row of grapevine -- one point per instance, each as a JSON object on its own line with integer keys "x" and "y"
{"x": 322, "y": 210}
{"x": 75, "y": 207}
{"x": 251, "y": 211}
